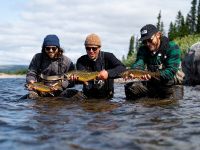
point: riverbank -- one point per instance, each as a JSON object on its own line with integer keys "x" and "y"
{"x": 4, "y": 75}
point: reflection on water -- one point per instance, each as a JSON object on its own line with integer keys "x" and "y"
{"x": 98, "y": 105}
{"x": 56, "y": 123}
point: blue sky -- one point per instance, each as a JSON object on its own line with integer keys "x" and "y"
{"x": 10, "y": 10}
{"x": 25, "y": 23}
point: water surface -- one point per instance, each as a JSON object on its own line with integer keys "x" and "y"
{"x": 63, "y": 124}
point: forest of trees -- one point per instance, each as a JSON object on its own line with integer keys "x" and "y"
{"x": 188, "y": 25}
{"x": 184, "y": 30}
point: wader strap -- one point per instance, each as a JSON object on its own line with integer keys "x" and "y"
{"x": 51, "y": 78}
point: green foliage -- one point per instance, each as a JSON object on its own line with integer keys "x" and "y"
{"x": 172, "y": 34}
{"x": 186, "y": 42}
{"x": 129, "y": 61}
{"x": 190, "y": 25}
{"x": 184, "y": 31}
{"x": 131, "y": 47}
{"x": 162, "y": 28}
{"x": 183, "y": 42}
{"x": 16, "y": 72}
{"x": 198, "y": 19}
{"x": 193, "y": 16}
{"x": 159, "y": 20}
{"x": 178, "y": 29}
{"x": 160, "y": 24}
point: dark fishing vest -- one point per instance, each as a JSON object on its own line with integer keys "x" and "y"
{"x": 157, "y": 61}
{"x": 96, "y": 88}
{"x": 53, "y": 78}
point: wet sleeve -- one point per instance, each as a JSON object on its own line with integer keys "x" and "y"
{"x": 32, "y": 73}
{"x": 80, "y": 65}
{"x": 140, "y": 60}
{"x": 114, "y": 66}
{"x": 172, "y": 63}
{"x": 66, "y": 83}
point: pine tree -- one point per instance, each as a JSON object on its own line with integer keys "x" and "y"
{"x": 184, "y": 28}
{"x": 159, "y": 21}
{"x": 179, "y": 20}
{"x": 198, "y": 19}
{"x": 137, "y": 43}
{"x": 172, "y": 34}
{"x": 160, "y": 24}
{"x": 162, "y": 28}
{"x": 123, "y": 58}
{"x": 180, "y": 23}
{"x": 188, "y": 22}
{"x": 191, "y": 17}
{"x": 131, "y": 47}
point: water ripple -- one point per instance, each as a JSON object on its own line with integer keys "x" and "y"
{"x": 56, "y": 123}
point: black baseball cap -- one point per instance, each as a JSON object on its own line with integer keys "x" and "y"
{"x": 147, "y": 31}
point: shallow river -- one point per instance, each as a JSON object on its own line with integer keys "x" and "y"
{"x": 62, "y": 124}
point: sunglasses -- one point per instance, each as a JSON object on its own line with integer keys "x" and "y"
{"x": 148, "y": 40}
{"x": 91, "y": 48}
{"x": 51, "y": 48}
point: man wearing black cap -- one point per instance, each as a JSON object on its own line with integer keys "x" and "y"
{"x": 156, "y": 54}
{"x": 49, "y": 67}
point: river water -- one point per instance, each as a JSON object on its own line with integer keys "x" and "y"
{"x": 62, "y": 124}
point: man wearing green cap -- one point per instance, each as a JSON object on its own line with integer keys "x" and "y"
{"x": 156, "y": 54}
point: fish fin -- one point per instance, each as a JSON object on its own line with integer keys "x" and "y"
{"x": 157, "y": 78}
{"x": 51, "y": 94}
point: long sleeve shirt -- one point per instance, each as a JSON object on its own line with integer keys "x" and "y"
{"x": 41, "y": 64}
{"x": 166, "y": 60}
{"x": 105, "y": 61}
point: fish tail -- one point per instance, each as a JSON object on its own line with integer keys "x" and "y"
{"x": 156, "y": 75}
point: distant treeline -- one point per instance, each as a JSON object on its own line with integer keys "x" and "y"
{"x": 188, "y": 25}
{"x": 185, "y": 31}
{"x": 17, "y": 72}
{"x": 14, "y": 69}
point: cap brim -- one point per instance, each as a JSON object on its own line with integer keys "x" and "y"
{"x": 145, "y": 38}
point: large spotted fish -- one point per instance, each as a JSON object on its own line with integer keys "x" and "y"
{"x": 139, "y": 73}
{"x": 42, "y": 88}
{"x": 83, "y": 76}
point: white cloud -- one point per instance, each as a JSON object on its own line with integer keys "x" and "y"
{"x": 72, "y": 20}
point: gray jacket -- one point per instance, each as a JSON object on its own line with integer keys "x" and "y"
{"x": 191, "y": 65}
{"x": 42, "y": 64}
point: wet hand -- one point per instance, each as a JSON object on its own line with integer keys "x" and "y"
{"x": 29, "y": 87}
{"x": 54, "y": 87}
{"x": 73, "y": 77}
{"x": 132, "y": 76}
{"x": 146, "y": 77}
{"x": 31, "y": 81}
{"x": 129, "y": 77}
{"x": 103, "y": 75}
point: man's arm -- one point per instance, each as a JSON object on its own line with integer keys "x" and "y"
{"x": 32, "y": 73}
{"x": 173, "y": 61}
{"x": 115, "y": 67}
{"x": 68, "y": 83}
{"x": 140, "y": 60}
